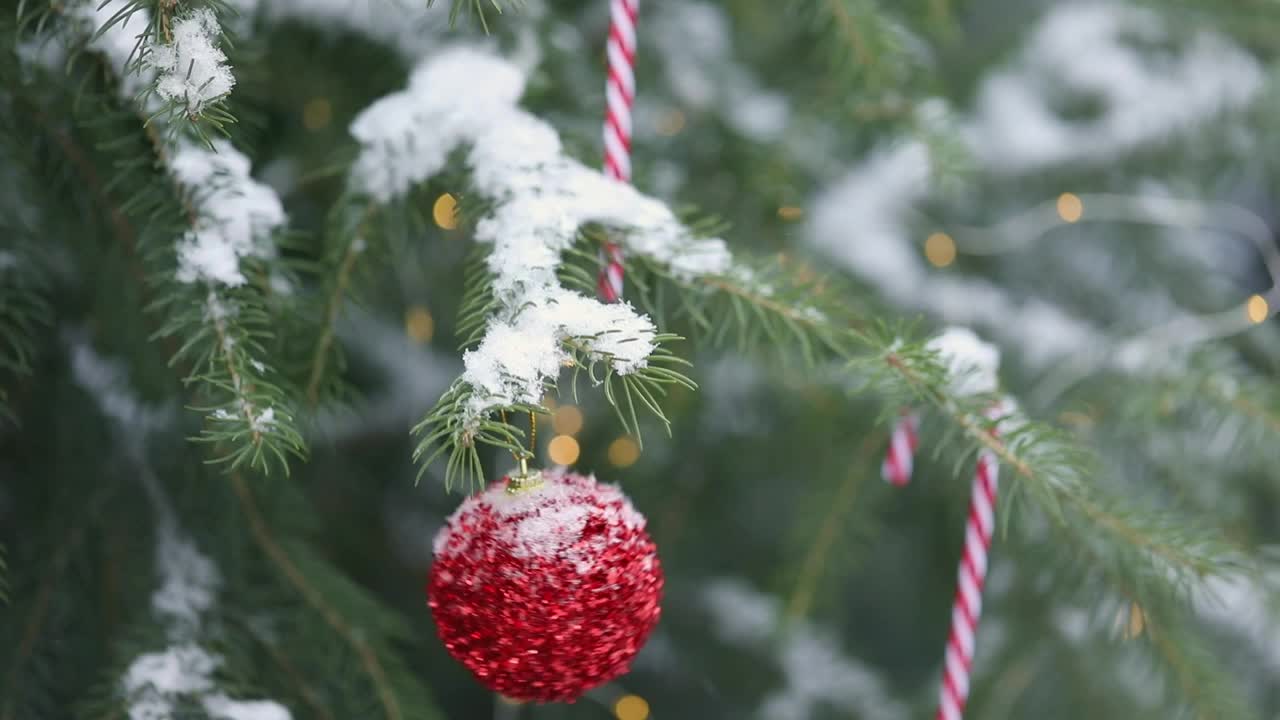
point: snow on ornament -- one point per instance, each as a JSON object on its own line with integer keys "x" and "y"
{"x": 545, "y": 586}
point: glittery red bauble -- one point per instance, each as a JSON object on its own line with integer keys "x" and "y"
{"x": 548, "y": 592}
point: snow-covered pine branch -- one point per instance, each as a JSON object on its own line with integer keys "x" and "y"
{"x": 192, "y": 71}
{"x": 1016, "y": 129}
{"x": 955, "y": 372}
{"x": 155, "y": 682}
{"x": 231, "y": 218}
{"x": 540, "y": 198}
{"x": 172, "y": 65}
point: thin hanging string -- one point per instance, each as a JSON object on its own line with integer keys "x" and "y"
{"x": 620, "y": 95}
{"x": 533, "y": 434}
{"x": 524, "y": 479}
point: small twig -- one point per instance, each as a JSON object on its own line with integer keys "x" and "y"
{"x": 309, "y": 695}
{"x": 816, "y": 559}
{"x": 320, "y": 358}
{"x": 368, "y": 658}
{"x": 849, "y": 29}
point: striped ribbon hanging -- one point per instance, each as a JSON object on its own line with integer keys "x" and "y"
{"x": 966, "y": 609}
{"x": 620, "y": 95}
{"x": 900, "y": 457}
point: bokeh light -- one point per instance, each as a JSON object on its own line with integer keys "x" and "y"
{"x": 624, "y": 452}
{"x": 631, "y": 707}
{"x": 419, "y": 325}
{"x": 1257, "y": 309}
{"x": 563, "y": 450}
{"x": 567, "y": 420}
{"x": 317, "y": 114}
{"x": 1070, "y": 207}
{"x": 940, "y": 249}
{"x": 671, "y": 122}
{"x": 444, "y": 211}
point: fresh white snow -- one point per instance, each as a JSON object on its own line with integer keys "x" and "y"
{"x": 237, "y": 213}
{"x": 108, "y": 384}
{"x": 541, "y": 198}
{"x": 1087, "y": 50}
{"x": 974, "y": 365}
{"x": 189, "y": 582}
{"x": 117, "y": 43}
{"x": 221, "y": 707}
{"x": 516, "y": 357}
{"x": 188, "y": 585}
{"x": 693, "y": 42}
{"x": 411, "y": 28}
{"x": 863, "y": 220}
{"x": 188, "y": 579}
{"x": 192, "y": 69}
{"x": 547, "y": 521}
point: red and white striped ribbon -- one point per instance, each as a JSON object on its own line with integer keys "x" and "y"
{"x": 900, "y": 457}
{"x": 610, "y": 282}
{"x": 967, "y": 607}
{"x": 620, "y": 94}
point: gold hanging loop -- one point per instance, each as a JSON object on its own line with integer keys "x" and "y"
{"x": 526, "y": 479}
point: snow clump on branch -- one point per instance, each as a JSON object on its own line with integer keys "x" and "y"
{"x": 193, "y": 70}
{"x": 541, "y": 197}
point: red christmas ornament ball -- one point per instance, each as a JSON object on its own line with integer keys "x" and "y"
{"x": 547, "y": 592}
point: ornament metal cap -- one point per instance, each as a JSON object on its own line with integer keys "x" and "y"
{"x": 524, "y": 480}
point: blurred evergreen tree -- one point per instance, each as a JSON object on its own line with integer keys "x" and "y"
{"x": 236, "y": 269}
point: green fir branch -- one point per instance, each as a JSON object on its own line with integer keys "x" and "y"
{"x": 170, "y": 118}
{"x": 348, "y": 230}
{"x": 216, "y": 335}
{"x": 347, "y": 612}
{"x": 24, "y": 309}
{"x": 759, "y": 308}
{"x": 863, "y": 46}
{"x": 449, "y": 431}
{"x": 477, "y": 9}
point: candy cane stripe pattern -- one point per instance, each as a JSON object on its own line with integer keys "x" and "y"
{"x": 898, "y": 460}
{"x": 610, "y": 282}
{"x": 620, "y": 94}
{"x": 620, "y": 88}
{"x": 967, "y": 607}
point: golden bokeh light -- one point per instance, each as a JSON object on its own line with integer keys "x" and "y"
{"x": 444, "y": 211}
{"x": 790, "y": 213}
{"x": 624, "y": 452}
{"x": 563, "y": 450}
{"x": 1257, "y": 309}
{"x": 567, "y": 420}
{"x": 1134, "y": 623}
{"x": 317, "y": 114}
{"x": 940, "y": 249}
{"x": 670, "y": 123}
{"x": 419, "y": 325}
{"x": 631, "y": 707}
{"x": 1070, "y": 207}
